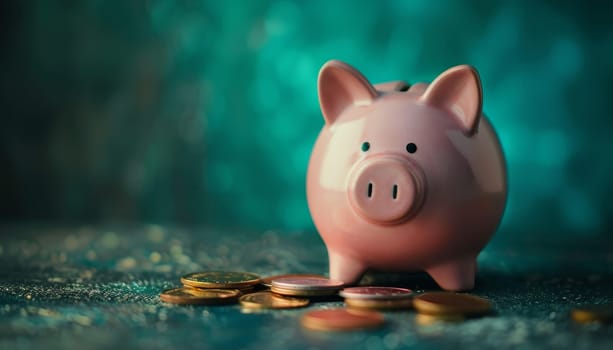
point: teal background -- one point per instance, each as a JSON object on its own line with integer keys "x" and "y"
{"x": 204, "y": 112}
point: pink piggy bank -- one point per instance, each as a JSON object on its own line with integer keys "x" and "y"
{"x": 405, "y": 179}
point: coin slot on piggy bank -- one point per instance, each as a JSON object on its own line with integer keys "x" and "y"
{"x": 405, "y": 178}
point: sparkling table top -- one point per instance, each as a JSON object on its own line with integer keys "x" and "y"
{"x": 97, "y": 287}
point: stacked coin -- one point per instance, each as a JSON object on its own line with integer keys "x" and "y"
{"x": 193, "y": 296}
{"x": 267, "y": 281}
{"x": 448, "y": 306}
{"x": 269, "y": 300}
{"x": 305, "y": 286}
{"x": 381, "y": 298}
{"x": 211, "y": 288}
{"x": 227, "y": 287}
{"x": 243, "y": 281}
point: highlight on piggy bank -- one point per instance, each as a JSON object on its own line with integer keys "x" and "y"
{"x": 405, "y": 177}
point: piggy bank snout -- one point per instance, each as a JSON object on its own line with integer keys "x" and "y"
{"x": 385, "y": 189}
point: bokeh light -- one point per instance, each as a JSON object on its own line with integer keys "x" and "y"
{"x": 203, "y": 112}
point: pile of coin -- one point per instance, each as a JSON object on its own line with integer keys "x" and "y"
{"x": 211, "y": 288}
{"x": 193, "y": 296}
{"x": 269, "y": 300}
{"x": 248, "y": 289}
{"x": 243, "y": 281}
{"x": 307, "y": 286}
{"x": 378, "y": 298}
{"x": 362, "y": 303}
{"x": 293, "y": 291}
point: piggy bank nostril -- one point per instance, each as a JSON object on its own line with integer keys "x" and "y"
{"x": 384, "y": 189}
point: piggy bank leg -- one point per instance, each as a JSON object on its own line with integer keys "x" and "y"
{"x": 455, "y": 276}
{"x": 345, "y": 269}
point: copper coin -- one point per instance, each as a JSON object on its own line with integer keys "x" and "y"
{"x": 376, "y": 293}
{"x": 267, "y": 281}
{"x": 191, "y": 296}
{"x": 307, "y": 283}
{"x": 444, "y": 303}
{"x": 341, "y": 319}
{"x": 221, "y": 279}
{"x": 303, "y": 292}
{"x": 593, "y": 313}
{"x": 380, "y": 304}
{"x": 268, "y": 300}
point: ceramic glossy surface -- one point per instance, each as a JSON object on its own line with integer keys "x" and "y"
{"x": 405, "y": 179}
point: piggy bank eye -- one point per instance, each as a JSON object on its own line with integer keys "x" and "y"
{"x": 411, "y": 147}
{"x": 365, "y": 146}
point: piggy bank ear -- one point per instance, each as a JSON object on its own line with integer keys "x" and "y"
{"x": 340, "y": 86}
{"x": 457, "y": 90}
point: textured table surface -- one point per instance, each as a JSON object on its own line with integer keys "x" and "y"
{"x": 97, "y": 287}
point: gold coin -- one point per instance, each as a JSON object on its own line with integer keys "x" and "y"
{"x": 267, "y": 281}
{"x": 425, "y": 320}
{"x": 221, "y": 279}
{"x": 268, "y": 300}
{"x": 245, "y": 290}
{"x": 194, "y": 296}
{"x": 303, "y": 292}
{"x": 593, "y": 313}
{"x": 444, "y": 303}
{"x": 341, "y": 319}
{"x": 380, "y": 304}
